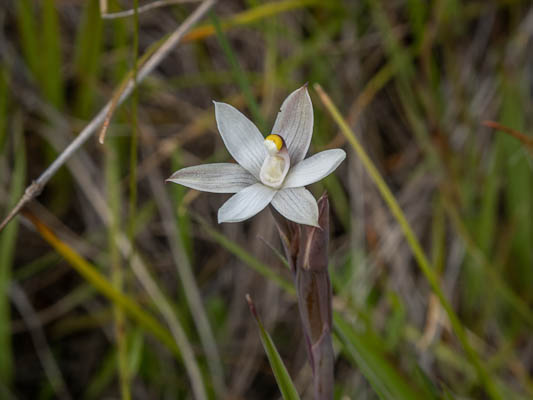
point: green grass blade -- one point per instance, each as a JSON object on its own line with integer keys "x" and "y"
{"x": 283, "y": 379}
{"x": 27, "y": 29}
{"x": 87, "y": 58}
{"x": 8, "y": 238}
{"x": 51, "y": 60}
{"x": 518, "y": 186}
{"x": 134, "y": 130}
{"x": 117, "y": 275}
{"x": 417, "y": 11}
{"x": 4, "y": 100}
{"x": 113, "y": 177}
{"x": 136, "y": 346}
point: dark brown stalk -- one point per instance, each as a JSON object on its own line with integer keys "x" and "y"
{"x": 306, "y": 249}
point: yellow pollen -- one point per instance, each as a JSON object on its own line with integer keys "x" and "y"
{"x": 278, "y": 141}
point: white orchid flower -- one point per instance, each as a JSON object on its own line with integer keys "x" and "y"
{"x": 270, "y": 170}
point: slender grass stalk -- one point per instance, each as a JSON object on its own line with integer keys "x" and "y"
{"x": 87, "y": 58}
{"x": 134, "y": 129}
{"x": 27, "y": 32}
{"x": 132, "y": 210}
{"x": 4, "y": 101}
{"x": 8, "y": 240}
{"x": 517, "y": 168}
{"x": 51, "y": 61}
{"x": 415, "y": 245}
{"x": 117, "y": 275}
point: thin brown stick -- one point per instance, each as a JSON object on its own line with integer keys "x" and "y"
{"x": 36, "y": 187}
{"x": 113, "y": 105}
{"x": 522, "y": 137}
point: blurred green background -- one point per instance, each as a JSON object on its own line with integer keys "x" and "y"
{"x": 81, "y": 317}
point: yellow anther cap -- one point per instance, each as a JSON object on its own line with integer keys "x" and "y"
{"x": 278, "y": 141}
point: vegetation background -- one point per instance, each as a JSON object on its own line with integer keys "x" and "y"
{"x": 433, "y": 305}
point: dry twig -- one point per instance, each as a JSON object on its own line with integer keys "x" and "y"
{"x": 522, "y": 137}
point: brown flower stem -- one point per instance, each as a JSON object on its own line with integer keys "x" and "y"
{"x": 314, "y": 301}
{"x": 306, "y": 249}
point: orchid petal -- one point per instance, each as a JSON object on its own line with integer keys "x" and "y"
{"x": 246, "y": 203}
{"x": 295, "y": 123}
{"x": 297, "y": 205}
{"x": 314, "y": 168}
{"x": 241, "y": 137}
{"x": 214, "y": 178}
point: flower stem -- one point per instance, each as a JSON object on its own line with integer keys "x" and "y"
{"x": 306, "y": 248}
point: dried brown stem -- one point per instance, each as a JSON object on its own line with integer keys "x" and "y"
{"x": 522, "y": 137}
{"x": 306, "y": 248}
